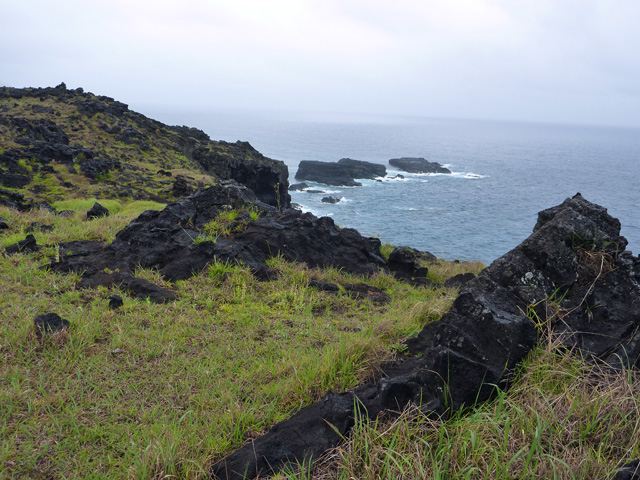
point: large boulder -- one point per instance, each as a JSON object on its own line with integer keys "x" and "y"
{"x": 341, "y": 173}
{"x": 571, "y": 274}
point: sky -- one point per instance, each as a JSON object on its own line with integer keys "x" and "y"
{"x": 560, "y": 61}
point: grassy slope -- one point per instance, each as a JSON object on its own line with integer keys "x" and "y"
{"x": 89, "y": 131}
{"x": 153, "y": 147}
{"x": 151, "y": 390}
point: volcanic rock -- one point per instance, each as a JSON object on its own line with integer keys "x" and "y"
{"x": 165, "y": 240}
{"x": 297, "y": 187}
{"x": 27, "y": 245}
{"x": 97, "y": 211}
{"x": 574, "y": 252}
{"x": 330, "y": 200}
{"x": 404, "y": 263}
{"x": 343, "y": 173}
{"x": 49, "y": 323}
{"x": 418, "y": 165}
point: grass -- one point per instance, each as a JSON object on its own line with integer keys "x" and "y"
{"x": 154, "y": 391}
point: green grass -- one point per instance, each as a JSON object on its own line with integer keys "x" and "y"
{"x": 153, "y": 391}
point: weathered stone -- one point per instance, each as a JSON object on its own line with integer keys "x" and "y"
{"x": 39, "y": 226}
{"x": 631, "y": 471}
{"x": 404, "y": 263}
{"x": 344, "y": 172}
{"x": 298, "y": 186}
{"x": 97, "y": 211}
{"x": 330, "y": 200}
{"x": 49, "y": 323}
{"x": 115, "y": 302}
{"x": 27, "y": 245}
{"x": 417, "y": 165}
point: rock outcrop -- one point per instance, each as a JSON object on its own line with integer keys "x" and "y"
{"x": 174, "y": 242}
{"x": 341, "y": 173}
{"x": 417, "y": 165}
{"x": 67, "y": 133}
{"x": 571, "y": 274}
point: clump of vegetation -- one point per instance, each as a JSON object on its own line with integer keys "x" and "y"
{"x": 231, "y": 221}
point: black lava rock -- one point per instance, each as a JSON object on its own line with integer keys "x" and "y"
{"x": 97, "y": 211}
{"x": 49, "y": 323}
{"x": 27, "y": 245}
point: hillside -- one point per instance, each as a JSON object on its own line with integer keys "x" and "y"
{"x": 57, "y": 143}
{"x": 225, "y": 335}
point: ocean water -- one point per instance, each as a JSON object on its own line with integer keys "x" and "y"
{"x": 503, "y": 173}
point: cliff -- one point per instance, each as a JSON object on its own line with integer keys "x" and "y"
{"x": 57, "y": 143}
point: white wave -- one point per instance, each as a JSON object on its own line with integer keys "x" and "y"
{"x": 468, "y": 175}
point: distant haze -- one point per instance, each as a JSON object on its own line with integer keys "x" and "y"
{"x": 566, "y": 61}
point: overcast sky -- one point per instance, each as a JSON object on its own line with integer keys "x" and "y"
{"x": 569, "y": 61}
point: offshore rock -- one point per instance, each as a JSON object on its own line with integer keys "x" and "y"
{"x": 417, "y": 165}
{"x": 342, "y": 173}
{"x": 460, "y": 359}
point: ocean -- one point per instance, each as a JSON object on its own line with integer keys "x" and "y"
{"x": 503, "y": 173}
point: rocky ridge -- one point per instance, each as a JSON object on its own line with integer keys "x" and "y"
{"x": 58, "y": 143}
{"x": 176, "y": 242}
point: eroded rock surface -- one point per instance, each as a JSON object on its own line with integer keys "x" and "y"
{"x": 575, "y": 254}
{"x": 174, "y": 241}
{"x": 343, "y": 173}
{"x": 418, "y": 165}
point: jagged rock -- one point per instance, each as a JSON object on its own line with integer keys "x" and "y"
{"x": 631, "y": 471}
{"x": 330, "y": 200}
{"x": 15, "y": 200}
{"x": 4, "y": 225}
{"x": 49, "y": 323}
{"x": 97, "y": 211}
{"x": 297, "y": 187}
{"x": 343, "y": 173}
{"x": 115, "y": 302}
{"x": 459, "y": 359}
{"x": 239, "y": 161}
{"x": 459, "y": 280}
{"x": 93, "y": 167}
{"x": 418, "y": 165}
{"x": 165, "y": 240}
{"x": 355, "y": 290}
{"x": 27, "y": 245}
{"x": 404, "y": 263}
{"x": 39, "y": 226}
{"x": 66, "y": 213}
{"x": 181, "y": 188}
